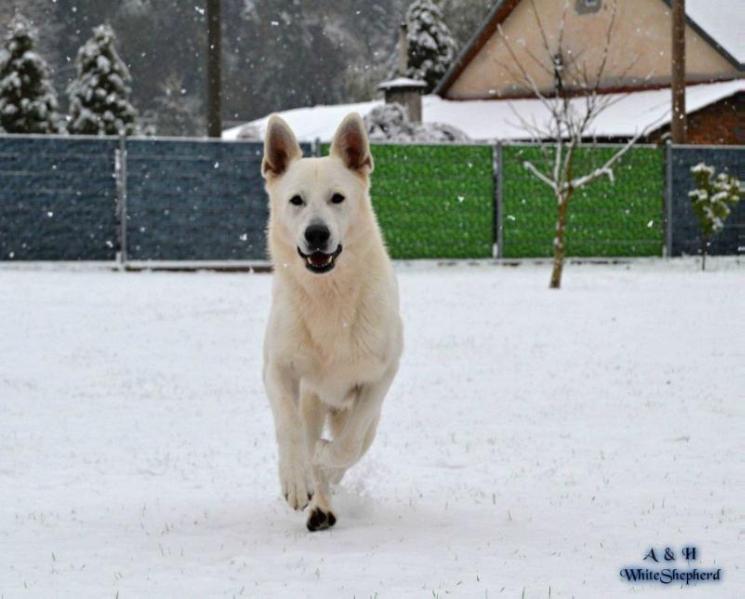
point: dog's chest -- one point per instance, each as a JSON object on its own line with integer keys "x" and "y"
{"x": 340, "y": 353}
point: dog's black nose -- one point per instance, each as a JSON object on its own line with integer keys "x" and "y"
{"x": 317, "y": 237}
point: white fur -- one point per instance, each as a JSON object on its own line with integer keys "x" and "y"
{"x": 334, "y": 340}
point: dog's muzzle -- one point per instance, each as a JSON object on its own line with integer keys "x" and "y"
{"x": 320, "y": 262}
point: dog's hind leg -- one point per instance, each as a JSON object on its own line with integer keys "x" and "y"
{"x": 370, "y": 435}
{"x": 337, "y": 421}
{"x": 358, "y": 432}
{"x": 313, "y": 414}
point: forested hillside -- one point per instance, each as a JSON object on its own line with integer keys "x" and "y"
{"x": 278, "y": 54}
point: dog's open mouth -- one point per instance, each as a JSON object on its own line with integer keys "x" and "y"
{"x": 320, "y": 262}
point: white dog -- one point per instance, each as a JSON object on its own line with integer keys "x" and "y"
{"x": 334, "y": 336}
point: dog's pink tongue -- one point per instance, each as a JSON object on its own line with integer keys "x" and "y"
{"x": 318, "y": 258}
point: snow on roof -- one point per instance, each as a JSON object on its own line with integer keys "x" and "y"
{"x": 309, "y": 124}
{"x": 723, "y": 21}
{"x": 496, "y": 119}
{"x": 627, "y": 115}
{"x": 402, "y": 82}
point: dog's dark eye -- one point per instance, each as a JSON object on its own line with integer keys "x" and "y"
{"x": 296, "y": 200}
{"x": 337, "y": 198}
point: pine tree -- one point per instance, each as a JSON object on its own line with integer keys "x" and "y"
{"x": 99, "y": 96}
{"x": 711, "y": 201}
{"x": 28, "y": 102}
{"x": 431, "y": 47}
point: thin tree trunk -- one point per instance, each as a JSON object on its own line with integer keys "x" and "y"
{"x": 559, "y": 241}
{"x": 704, "y": 249}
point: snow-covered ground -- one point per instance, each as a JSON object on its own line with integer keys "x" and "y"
{"x": 533, "y": 444}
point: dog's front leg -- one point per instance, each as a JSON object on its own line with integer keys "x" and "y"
{"x": 313, "y": 415}
{"x": 356, "y": 436}
{"x": 282, "y": 389}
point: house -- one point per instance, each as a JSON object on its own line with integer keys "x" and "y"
{"x": 483, "y": 94}
{"x": 639, "y": 54}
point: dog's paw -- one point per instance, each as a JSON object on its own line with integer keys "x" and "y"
{"x": 320, "y": 519}
{"x": 296, "y": 486}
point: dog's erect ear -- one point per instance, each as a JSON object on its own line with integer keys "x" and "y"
{"x": 280, "y": 148}
{"x": 351, "y": 145}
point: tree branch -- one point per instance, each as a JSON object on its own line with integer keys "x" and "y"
{"x": 547, "y": 180}
{"x": 607, "y": 168}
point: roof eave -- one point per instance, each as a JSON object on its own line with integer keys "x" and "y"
{"x": 740, "y": 66}
{"x": 474, "y": 44}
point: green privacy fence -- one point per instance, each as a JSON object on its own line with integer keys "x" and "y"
{"x": 619, "y": 218}
{"x": 439, "y": 201}
{"x": 434, "y": 201}
{"x": 67, "y": 198}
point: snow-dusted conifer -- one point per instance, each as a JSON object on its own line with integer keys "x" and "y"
{"x": 99, "y": 96}
{"x": 712, "y": 200}
{"x": 431, "y": 47}
{"x": 28, "y": 102}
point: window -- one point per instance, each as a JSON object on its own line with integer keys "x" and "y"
{"x": 588, "y": 6}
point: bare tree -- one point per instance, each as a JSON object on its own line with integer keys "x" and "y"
{"x": 572, "y": 107}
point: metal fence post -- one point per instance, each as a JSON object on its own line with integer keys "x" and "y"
{"x": 668, "y": 200}
{"x": 121, "y": 199}
{"x": 316, "y": 147}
